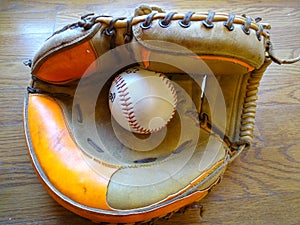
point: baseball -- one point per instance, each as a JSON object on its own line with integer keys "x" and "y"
{"x": 142, "y": 101}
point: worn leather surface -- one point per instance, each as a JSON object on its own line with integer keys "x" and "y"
{"x": 77, "y": 144}
{"x": 216, "y": 41}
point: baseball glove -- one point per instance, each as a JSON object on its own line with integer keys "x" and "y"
{"x": 103, "y": 172}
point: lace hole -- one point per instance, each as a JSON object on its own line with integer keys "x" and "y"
{"x": 145, "y": 26}
{"x": 184, "y": 25}
{"x": 230, "y": 28}
{"x": 163, "y": 24}
{"x": 258, "y": 37}
{"x": 109, "y": 32}
{"x": 127, "y": 38}
{"x": 246, "y": 31}
{"x": 208, "y": 25}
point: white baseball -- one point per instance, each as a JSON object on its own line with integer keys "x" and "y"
{"x": 142, "y": 101}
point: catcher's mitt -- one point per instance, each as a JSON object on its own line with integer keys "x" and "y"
{"x": 101, "y": 171}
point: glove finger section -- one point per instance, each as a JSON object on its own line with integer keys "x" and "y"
{"x": 217, "y": 42}
{"x": 66, "y": 55}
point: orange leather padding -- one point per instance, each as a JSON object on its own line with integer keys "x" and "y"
{"x": 146, "y": 57}
{"x": 221, "y": 58}
{"x": 60, "y": 158}
{"x": 67, "y": 65}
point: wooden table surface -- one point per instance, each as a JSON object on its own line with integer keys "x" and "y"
{"x": 262, "y": 186}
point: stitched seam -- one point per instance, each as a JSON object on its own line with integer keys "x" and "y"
{"x": 128, "y": 108}
{"x": 126, "y": 105}
{"x": 173, "y": 91}
{"x": 249, "y": 105}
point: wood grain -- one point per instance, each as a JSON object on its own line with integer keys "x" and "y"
{"x": 261, "y": 187}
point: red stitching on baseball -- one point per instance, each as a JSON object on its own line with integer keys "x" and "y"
{"x": 127, "y": 107}
{"x": 126, "y": 104}
{"x": 168, "y": 82}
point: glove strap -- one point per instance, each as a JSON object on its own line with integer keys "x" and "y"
{"x": 277, "y": 60}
